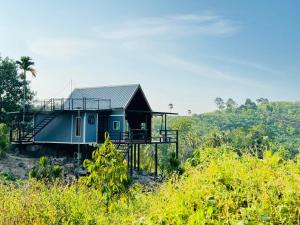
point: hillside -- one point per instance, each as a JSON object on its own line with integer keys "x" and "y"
{"x": 267, "y": 124}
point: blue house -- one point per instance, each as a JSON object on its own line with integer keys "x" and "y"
{"x": 88, "y": 113}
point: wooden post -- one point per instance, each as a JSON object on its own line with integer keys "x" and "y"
{"x": 139, "y": 157}
{"x": 156, "y": 161}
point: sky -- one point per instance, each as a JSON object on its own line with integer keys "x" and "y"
{"x": 182, "y": 52}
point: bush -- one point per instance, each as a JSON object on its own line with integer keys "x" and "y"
{"x": 4, "y": 140}
{"x": 107, "y": 172}
{"x": 8, "y": 176}
{"x": 44, "y": 171}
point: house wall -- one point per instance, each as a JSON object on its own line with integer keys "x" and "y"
{"x": 91, "y": 123}
{"x": 58, "y": 131}
{"x": 62, "y": 128}
{"x": 117, "y": 115}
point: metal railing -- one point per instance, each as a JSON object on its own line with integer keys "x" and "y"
{"x": 56, "y": 104}
{"x": 164, "y": 136}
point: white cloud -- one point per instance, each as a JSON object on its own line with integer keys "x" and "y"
{"x": 249, "y": 64}
{"x": 135, "y": 33}
{"x": 170, "y": 26}
{"x": 206, "y": 71}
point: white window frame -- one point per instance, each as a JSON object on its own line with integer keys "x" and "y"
{"x": 118, "y": 125}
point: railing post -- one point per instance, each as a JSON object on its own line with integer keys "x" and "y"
{"x": 72, "y": 104}
{"x": 62, "y": 104}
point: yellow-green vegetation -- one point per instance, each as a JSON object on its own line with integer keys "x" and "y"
{"x": 218, "y": 187}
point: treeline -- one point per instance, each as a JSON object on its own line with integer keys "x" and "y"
{"x": 230, "y": 104}
{"x": 250, "y": 127}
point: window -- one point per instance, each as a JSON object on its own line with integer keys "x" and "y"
{"x": 78, "y": 127}
{"x": 116, "y": 125}
{"x": 143, "y": 126}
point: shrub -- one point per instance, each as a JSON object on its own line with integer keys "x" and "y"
{"x": 107, "y": 171}
{"x": 8, "y": 176}
{"x": 44, "y": 171}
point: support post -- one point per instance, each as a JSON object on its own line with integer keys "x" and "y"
{"x": 131, "y": 159}
{"x": 156, "y": 161}
{"x": 177, "y": 144}
{"x": 139, "y": 157}
{"x": 134, "y": 156}
{"x": 128, "y": 157}
{"x": 165, "y": 128}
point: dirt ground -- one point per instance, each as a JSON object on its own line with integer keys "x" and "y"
{"x": 20, "y": 164}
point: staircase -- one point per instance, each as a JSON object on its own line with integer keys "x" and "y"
{"x": 123, "y": 149}
{"x": 28, "y": 136}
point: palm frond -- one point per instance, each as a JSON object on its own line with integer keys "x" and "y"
{"x": 25, "y": 64}
{"x": 32, "y": 71}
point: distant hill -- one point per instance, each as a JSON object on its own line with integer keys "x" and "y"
{"x": 275, "y": 123}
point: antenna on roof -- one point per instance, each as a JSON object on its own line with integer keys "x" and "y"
{"x": 71, "y": 88}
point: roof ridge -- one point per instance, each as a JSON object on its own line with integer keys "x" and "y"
{"x": 108, "y": 86}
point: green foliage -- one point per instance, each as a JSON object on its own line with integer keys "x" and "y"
{"x": 107, "y": 172}
{"x": 248, "y": 128}
{"x": 45, "y": 171}
{"x": 11, "y": 89}
{"x": 169, "y": 164}
{"x": 219, "y": 187}
{"x": 8, "y": 176}
{"x": 4, "y": 140}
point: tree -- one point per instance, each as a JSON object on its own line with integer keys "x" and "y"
{"x": 4, "y": 140}
{"x": 262, "y": 101}
{"x": 231, "y": 104}
{"x": 171, "y": 106}
{"x": 220, "y": 103}
{"x": 10, "y": 89}
{"x": 25, "y": 64}
{"x": 249, "y": 104}
{"x": 107, "y": 171}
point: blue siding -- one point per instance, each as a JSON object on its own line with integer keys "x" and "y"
{"x": 116, "y": 116}
{"x": 59, "y": 130}
{"x": 62, "y": 128}
{"x": 91, "y": 128}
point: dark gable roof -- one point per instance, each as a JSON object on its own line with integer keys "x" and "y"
{"x": 120, "y": 95}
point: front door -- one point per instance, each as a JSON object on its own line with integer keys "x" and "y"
{"x": 102, "y": 127}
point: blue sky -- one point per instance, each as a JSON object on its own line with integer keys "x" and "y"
{"x": 181, "y": 52}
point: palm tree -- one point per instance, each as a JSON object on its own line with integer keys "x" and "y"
{"x": 171, "y": 106}
{"x": 25, "y": 64}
